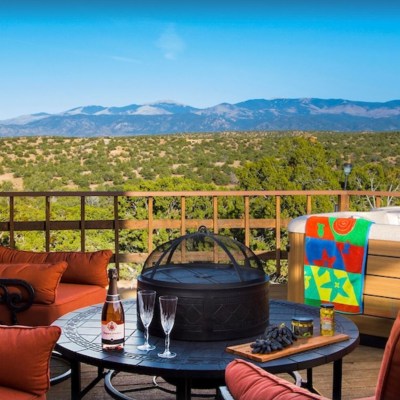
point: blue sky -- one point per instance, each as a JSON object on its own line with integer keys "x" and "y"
{"x": 56, "y": 55}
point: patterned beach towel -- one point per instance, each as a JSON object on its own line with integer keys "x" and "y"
{"x": 334, "y": 262}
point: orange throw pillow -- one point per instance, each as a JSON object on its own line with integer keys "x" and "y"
{"x": 25, "y": 357}
{"x": 88, "y": 268}
{"x": 44, "y": 278}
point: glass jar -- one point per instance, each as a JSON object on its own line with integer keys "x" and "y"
{"x": 327, "y": 320}
{"x": 302, "y": 327}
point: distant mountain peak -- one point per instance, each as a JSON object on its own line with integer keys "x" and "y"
{"x": 167, "y": 116}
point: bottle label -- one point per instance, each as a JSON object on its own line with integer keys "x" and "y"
{"x": 326, "y": 323}
{"x": 113, "y": 332}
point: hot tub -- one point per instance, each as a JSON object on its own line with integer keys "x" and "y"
{"x": 382, "y": 279}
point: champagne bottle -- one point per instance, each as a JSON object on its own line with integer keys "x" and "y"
{"x": 113, "y": 316}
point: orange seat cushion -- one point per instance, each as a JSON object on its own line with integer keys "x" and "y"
{"x": 25, "y": 357}
{"x": 83, "y": 267}
{"x": 44, "y": 278}
{"x": 70, "y": 296}
{"x": 247, "y": 381}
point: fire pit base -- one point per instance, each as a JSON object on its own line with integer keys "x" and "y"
{"x": 221, "y": 313}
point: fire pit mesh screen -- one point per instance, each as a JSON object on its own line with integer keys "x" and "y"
{"x": 203, "y": 258}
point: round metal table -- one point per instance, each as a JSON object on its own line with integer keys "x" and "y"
{"x": 198, "y": 361}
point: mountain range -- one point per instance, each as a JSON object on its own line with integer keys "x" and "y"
{"x": 305, "y": 114}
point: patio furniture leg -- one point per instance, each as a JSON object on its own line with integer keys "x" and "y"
{"x": 184, "y": 390}
{"x": 310, "y": 384}
{"x": 337, "y": 380}
{"x": 75, "y": 380}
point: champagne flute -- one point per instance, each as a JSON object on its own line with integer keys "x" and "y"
{"x": 146, "y": 300}
{"x": 167, "y": 314}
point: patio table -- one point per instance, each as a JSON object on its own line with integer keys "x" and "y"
{"x": 196, "y": 361}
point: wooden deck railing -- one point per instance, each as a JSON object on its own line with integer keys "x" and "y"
{"x": 14, "y": 223}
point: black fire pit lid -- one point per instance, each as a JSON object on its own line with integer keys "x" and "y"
{"x": 203, "y": 258}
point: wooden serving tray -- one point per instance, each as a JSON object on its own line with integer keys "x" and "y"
{"x": 298, "y": 346}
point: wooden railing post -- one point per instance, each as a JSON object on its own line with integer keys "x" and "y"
{"x": 344, "y": 202}
{"x": 47, "y": 223}
{"x": 183, "y": 215}
{"x": 183, "y": 226}
{"x": 309, "y": 204}
{"x": 150, "y": 224}
{"x": 247, "y": 221}
{"x": 12, "y": 218}
{"x": 215, "y": 215}
{"x": 278, "y": 234}
{"x": 83, "y": 225}
{"x": 116, "y": 233}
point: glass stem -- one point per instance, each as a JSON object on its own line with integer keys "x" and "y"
{"x": 146, "y": 336}
{"x": 167, "y": 343}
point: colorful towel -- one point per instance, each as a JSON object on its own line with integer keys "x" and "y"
{"x": 334, "y": 262}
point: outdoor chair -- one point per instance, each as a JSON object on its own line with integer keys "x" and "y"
{"x": 36, "y": 288}
{"x": 246, "y": 381}
{"x": 25, "y": 354}
{"x": 55, "y": 283}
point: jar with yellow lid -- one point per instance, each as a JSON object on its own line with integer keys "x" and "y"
{"x": 327, "y": 320}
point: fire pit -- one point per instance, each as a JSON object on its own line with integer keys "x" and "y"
{"x": 221, "y": 286}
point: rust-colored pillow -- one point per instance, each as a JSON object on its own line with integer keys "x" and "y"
{"x": 44, "y": 278}
{"x": 25, "y": 357}
{"x": 12, "y": 256}
{"x": 83, "y": 267}
{"x": 247, "y": 381}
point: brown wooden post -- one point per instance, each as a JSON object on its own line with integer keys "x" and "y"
{"x": 150, "y": 224}
{"x": 47, "y": 223}
{"x": 215, "y": 226}
{"x": 344, "y": 202}
{"x": 247, "y": 221}
{"x": 278, "y": 234}
{"x": 116, "y": 233}
{"x": 183, "y": 226}
{"x": 12, "y": 217}
{"x": 83, "y": 227}
{"x": 309, "y": 204}
{"x": 183, "y": 215}
{"x": 215, "y": 214}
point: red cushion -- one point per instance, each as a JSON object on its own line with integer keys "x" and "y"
{"x": 44, "y": 278}
{"x": 388, "y": 386}
{"x": 25, "y": 357}
{"x": 83, "y": 267}
{"x": 70, "y": 296}
{"x": 246, "y": 381}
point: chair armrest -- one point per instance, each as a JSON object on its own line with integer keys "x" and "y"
{"x": 224, "y": 394}
{"x": 17, "y": 295}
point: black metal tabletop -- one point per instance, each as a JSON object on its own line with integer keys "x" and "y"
{"x": 80, "y": 342}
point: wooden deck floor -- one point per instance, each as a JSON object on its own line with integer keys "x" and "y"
{"x": 360, "y": 372}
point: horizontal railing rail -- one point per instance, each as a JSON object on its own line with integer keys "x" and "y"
{"x": 14, "y": 222}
